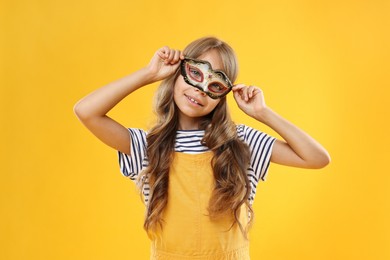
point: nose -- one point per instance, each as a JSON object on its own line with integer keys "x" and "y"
{"x": 201, "y": 92}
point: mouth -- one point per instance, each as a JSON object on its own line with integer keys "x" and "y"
{"x": 193, "y": 100}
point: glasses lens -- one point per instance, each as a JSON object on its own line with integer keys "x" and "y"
{"x": 217, "y": 88}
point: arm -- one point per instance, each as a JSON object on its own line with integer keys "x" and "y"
{"x": 92, "y": 109}
{"x": 299, "y": 149}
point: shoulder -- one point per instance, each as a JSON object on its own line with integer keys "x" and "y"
{"x": 253, "y": 136}
{"x": 242, "y": 130}
{"x": 138, "y": 132}
{"x": 138, "y": 137}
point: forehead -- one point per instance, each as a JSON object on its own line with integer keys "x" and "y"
{"x": 214, "y": 58}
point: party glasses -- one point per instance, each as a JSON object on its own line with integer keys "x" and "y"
{"x": 200, "y": 74}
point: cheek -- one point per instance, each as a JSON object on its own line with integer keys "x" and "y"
{"x": 178, "y": 88}
{"x": 213, "y": 103}
{"x": 180, "y": 84}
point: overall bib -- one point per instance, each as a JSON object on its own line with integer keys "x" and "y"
{"x": 188, "y": 232}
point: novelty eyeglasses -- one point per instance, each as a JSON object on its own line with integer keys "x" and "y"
{"x": 200, "y": 74}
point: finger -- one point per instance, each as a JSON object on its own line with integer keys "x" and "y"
{"x": 176, "y": 57}
{"x": 170, "y": 56}
{"x": 256, "y": 91}
{"x": 239, "y": 91}
{"x": 162, "y": 52}
{"x": 245, "y": 94}
{"x": 236, "y": 96}
{"x": 238, "y": 87}
{"x": 251, "y": 90}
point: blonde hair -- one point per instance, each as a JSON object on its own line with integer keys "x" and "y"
{"x": 231, "y": 156}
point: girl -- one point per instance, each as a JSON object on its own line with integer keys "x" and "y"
{"x": 196, "y": 169}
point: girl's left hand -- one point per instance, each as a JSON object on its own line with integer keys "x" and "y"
{"x": 250, "y": 99}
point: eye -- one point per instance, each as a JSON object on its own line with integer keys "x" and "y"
{"x": 217, "y": 87}
{"x": 195, "y": 73}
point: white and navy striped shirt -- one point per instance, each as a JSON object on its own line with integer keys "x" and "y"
{"x": 189, "y": 141}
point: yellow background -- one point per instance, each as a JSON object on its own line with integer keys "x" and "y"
{"x": 324, "y": 65}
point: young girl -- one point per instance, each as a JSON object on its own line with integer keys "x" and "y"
{"x": 196, "y": 169}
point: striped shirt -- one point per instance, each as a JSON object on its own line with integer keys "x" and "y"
{"x": 189, "y": 141}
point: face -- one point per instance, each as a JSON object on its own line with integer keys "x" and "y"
{"x": 193, "y": 103}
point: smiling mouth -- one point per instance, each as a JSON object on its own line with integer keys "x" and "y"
{"x": 192, "y": 100}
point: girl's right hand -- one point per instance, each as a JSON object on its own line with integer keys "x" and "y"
{"x": 164, "y": 63}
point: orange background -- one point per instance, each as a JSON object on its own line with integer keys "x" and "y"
{"x": 324, "y": 65}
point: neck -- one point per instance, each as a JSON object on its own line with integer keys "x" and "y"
{"x": 188, "y": 123}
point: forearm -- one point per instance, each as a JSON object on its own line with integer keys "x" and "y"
{"x": 311, "y": 153}
{"x": 102, "y": 100}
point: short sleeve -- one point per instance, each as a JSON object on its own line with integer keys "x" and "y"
{"x": 131, "y": 165}
{"x": 260, "y": 146}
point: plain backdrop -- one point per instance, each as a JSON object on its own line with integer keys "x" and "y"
{"x": 324, "y": 65}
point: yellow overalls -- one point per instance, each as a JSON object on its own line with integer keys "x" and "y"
{"x": 188, "y": 232}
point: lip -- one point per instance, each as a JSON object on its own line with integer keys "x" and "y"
{"x": 193, "y": 100}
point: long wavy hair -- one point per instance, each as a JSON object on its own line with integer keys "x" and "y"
{"x": 230, "y": 155}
